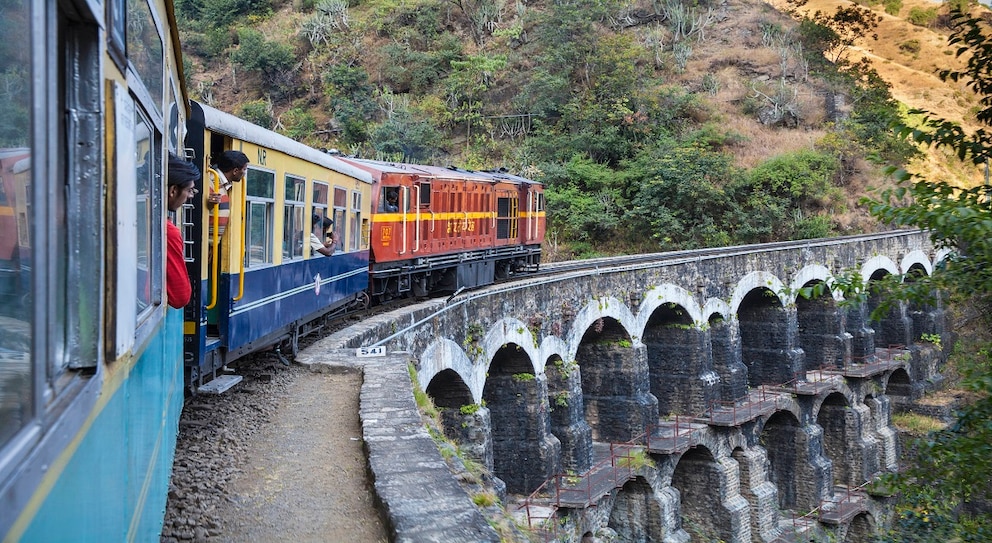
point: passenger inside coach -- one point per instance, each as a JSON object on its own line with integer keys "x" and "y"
{"x": 320, "y": 224}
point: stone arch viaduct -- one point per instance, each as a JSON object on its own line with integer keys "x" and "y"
{"x": 763, "y": 413}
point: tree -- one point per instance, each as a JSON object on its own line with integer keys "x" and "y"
{"x": 954, "y": 468}
{"x": 835, "y": 34}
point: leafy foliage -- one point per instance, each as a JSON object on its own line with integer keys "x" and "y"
{"x": 256, "y": 54}
{"x": 954, "y": 468}
{"x": 258, "y": 112}
{"x": 350, "y": 94}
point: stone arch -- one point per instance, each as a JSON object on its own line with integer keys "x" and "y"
{"x": 759, "y": 280}
{"x": 636, "y": 514}
{"x": 800, "y": 474}
{"x": 615, "y": 388}
{"x": 862, "y": 529}
{"x": 445, "y": 354}
{"x": 916, "y": 258}
{"x": 471, "y": 427}
{"x": 509, "y": 331}
{"x": 768, "y": 334}
{"x": 568, "y": 421}
{"x": 813, "y": 273}
{"x": 525, "y": 452}
{"x": 597, "y": 312}
{"x": 448, "y": 390}
{"x": 878, "y": 264}
{"x": 667, "y": 294}
{"x": 899, "y": 386}
{"x": 680, "y": 361}
{"x": 712, "y": 507}
{"x": 894, "y": 328}
{"x": 926, "y": 318}
{"x": 837, "y": 437}
{"x": 821, "y": 324}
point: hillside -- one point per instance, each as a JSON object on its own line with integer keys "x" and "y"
{"x": 487, "y": 83}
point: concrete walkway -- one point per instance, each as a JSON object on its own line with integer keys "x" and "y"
{"x": 420, "y": 498}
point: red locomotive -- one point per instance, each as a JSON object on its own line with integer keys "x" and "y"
{"x": 437, "y": 230}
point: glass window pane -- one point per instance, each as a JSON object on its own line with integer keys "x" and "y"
{"x": 294, "y": 189}
{"x": 16, "y": 390}
{"x": 261, "y": 184}
{"x": 144, "y": 161}
{"x": 320, "y": 192}
{"x": 144, "y": 48}
{"x": 258, "y": 242}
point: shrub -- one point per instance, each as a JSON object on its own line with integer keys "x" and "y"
{"x": 299, "y": 123}
{"x": 893, "y": 7}
{"x": 922, "y": 17}
{"x": 258, "y": 112}
{"x": 256, "y": 54}
{"x": 911, "y": 47}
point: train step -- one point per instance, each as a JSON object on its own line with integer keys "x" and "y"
{"x": 220, "y": 384}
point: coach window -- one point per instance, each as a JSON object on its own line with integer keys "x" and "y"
{"x": 292, "y": 237}
{"x": 50, "y": 62}
{"x": 261, "y": 204}
{"x": 148, "y": 207}
{"x": 356, "y": 220}
{"x": 16, "y": 307}
{"x": 340, "y": 217}
{"x": 321, "y": 195}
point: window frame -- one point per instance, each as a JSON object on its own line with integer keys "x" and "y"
{"x": 66, "y": 140}
{"x": 291, "y": 208}
{"x": 268, "y": 205}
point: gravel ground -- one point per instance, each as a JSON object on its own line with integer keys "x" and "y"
{"x": 277, "y": 458}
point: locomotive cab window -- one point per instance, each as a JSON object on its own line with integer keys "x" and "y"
{"x": 389, "y": 200}
{"x": 425, "y": 195}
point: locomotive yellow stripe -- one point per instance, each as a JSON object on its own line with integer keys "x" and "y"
{"x": 428, "y": 216}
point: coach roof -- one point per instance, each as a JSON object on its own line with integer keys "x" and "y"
{"x": 237, "y": 128}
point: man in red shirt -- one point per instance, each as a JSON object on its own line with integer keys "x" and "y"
{"x": 183, "y": 176}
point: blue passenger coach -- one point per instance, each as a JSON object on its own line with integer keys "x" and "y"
{"x": 266, "y": 287}
{"x": 91, "y": 380}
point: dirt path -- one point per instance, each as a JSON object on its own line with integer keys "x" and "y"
{"x": 303, "y": 477}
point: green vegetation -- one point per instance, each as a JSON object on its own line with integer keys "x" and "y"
{"x": 635, "y": 148}
{"x": 953, "y": 468}
{"x": 916, "y": 424}
{"x": 635, "y": 460}
{"x": 424, "y": 402}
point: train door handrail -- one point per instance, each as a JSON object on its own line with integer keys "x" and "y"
{"x": 405, "y": 202}
{"x": 244, "y": 238}
{"x": 530, "y": 214}
{"x": 215, "y": 242}
{"x": 416, "y": 221}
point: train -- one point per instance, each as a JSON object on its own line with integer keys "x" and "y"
{"x": 94, "y": 365}
{"x": 451, "y": 229}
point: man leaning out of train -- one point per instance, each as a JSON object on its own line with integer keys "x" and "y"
{"x": 231, "y": 166}
{"x": 183, "y": 176}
